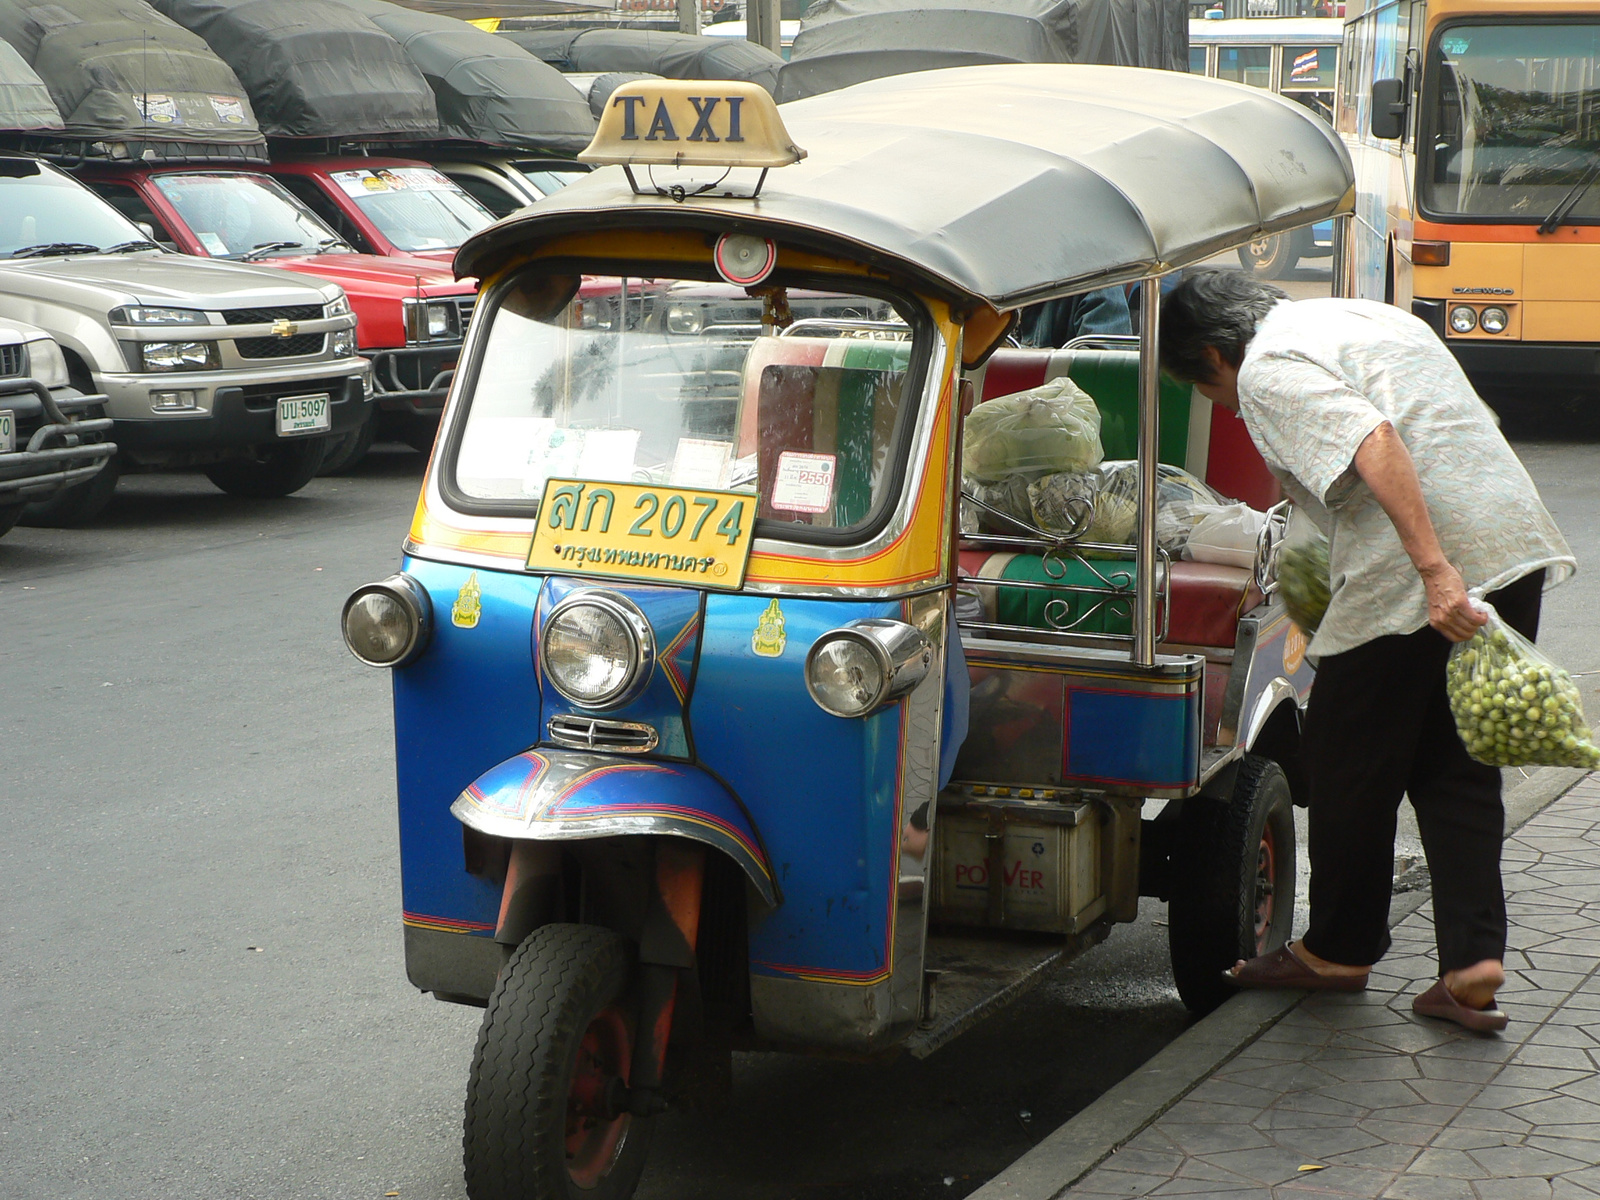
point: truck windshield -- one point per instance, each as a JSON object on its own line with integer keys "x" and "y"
{"x": 44, "y": 212}
{"x": 416, "y": 208}
{"x": 1513, "y": 129}
{"x": 795, "y": 396}
{"x": 235, "y": 215}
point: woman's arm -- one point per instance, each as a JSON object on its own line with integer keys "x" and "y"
{"x": 1385, "y": 466}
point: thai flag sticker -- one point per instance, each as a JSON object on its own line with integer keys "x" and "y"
{"x": 1306, "y": 66}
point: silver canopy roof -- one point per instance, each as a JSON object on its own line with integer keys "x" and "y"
{"x": 1009, "y": 183}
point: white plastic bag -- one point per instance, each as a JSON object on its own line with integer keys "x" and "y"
{"x": 1053, "y": 427}
{"x": 1227, "y": 535}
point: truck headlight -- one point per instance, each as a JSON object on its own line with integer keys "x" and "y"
{"x": 597, "y": 649}
{"x": 387, "y": 624}
{"x": 684, "y": 319}
{"x": 144, "y": 314}
{"x": 46, "y": 363}
{"x": 865, "y": 666}
{"x": 432, "y": 321}
{"x": 178, "y": 356}
{"x": 1463, "y": 318}
{"x": 337, "y": 307}
{"x": 343, "y": 343}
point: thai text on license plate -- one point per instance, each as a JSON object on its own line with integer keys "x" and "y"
{"x": 303, "y": 414}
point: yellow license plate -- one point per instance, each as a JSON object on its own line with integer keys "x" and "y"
{"x": 631, "y": 531}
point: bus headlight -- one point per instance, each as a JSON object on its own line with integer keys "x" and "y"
{"x": 1463, "y": 318}
{"x": 386, "y": 624}
{"x": 1494, "y": 319}
{"x": 597, "y": 649}
{"x": 866, "y": 665}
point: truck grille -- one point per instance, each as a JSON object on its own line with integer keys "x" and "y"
{"x": 12, "y": 360}
{"x": 266, "y": 316}
{"x": 277, "y": 347}
{"x": 598, "y": 733}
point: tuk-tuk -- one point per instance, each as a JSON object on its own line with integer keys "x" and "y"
{"x": 693, "y": 754}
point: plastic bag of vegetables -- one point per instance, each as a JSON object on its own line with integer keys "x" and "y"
{"x": 1181, "y": 502}
{"x": 1303, "y": 573}
{"x": 1514, "y": 707}
{"x": 1064, "y": 503}
{"x": 1053, "y": 427}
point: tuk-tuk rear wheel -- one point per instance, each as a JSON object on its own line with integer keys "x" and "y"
{"x": 552, "y": 1058}
{"x": 1233, "y": 881}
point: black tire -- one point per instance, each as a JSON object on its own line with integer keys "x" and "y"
{"x": 9, "y": 515}
{"x": 1271, "y": 257}
{"x": 278, "y": 469}
{"x": 346, "y": 451}
{"x": 563, "y": 982}
{"x": 78, "y": 504}
{"x": 1233, "y": 881}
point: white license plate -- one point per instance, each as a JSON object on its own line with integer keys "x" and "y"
{"x": 303, "y": 414}
{"x": 8, "y": 431}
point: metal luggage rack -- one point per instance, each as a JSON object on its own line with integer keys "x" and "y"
{"x": 1114, "y": 594}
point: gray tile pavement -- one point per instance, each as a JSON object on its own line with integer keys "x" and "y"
{"x": 1354, "y": 1096}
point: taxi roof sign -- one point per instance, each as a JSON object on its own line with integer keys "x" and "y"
{"x": 692, "y": 123}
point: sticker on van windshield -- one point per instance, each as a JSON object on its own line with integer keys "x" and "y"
{"x": 804, "y": 483}
{"x": 1454, "y": 43}
{"x": 701, "y": 462}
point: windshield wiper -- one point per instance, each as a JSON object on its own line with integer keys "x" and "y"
{"x": 334, "y": 243}
{"x": 44, "y": 248}
{"x": 1570, "y": 200}
{"x": 128, "y": 247}
{"x": 262, "y": 249}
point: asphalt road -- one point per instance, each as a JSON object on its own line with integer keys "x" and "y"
{"x": 201, "y": 985}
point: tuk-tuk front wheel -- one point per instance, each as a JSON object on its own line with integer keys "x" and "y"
{"x": 552, "y": 1062}
{"x": 1233, "y": 881}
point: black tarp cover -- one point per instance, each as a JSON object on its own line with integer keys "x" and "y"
{"x": 25, "y": 104}
{"x": 843, "y": 42}
{"x": 487, "y": 88}
{"x": 314, "y": 69}
{"x": 1010, "y": 184}
{"x": 120, "y": 72}
{"x": 644, "y": 51}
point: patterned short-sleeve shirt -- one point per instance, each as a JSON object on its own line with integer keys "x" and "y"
{"x": 1319, "y": 376}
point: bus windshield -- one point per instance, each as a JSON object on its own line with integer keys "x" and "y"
{"x": 1514, "y": 126}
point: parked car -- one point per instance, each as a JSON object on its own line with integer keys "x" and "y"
{"x": 386, "y": 205}
{"x": 239, "y": 370}
{"x": 411, "y": 313}
{"x": 52, "y": 437}
{"x": 503, "y": 182}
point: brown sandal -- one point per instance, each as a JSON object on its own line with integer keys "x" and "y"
{"x": 1283, "y": 968}
{"x": 1438, "y": 1002}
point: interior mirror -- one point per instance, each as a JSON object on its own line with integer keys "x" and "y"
{"x": 1388, "y": 108}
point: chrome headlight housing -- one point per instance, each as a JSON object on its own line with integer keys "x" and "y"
{"x": 432, "y": 321}
{"x": 596, "y": 649}
{"x": 388, "y": 623}
{"x": 1463, "y": 318}
{"x": 865, "y": 666}
{"x": 177, "y": 356}
{"x": 144, "y": 314}
{"x": 342, "y": 343}
{"x": 1494, "y": 319}
{"x": 339, "y": 306}
{"x": 46, "y": 363}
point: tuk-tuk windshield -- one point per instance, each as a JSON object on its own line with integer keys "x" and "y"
{"x": 797, "y": 396}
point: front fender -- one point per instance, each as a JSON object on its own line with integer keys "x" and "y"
{"x": 559, "y": 795}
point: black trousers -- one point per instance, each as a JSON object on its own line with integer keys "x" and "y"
{"x": 1378, "y": 726}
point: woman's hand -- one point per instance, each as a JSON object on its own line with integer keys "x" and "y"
{"x": 1450, "y": 611}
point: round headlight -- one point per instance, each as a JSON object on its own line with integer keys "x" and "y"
{"x": 386, "y": 624}
{"x": 1463, "y": 319}
{"x": 596, "y": 649}
{"x": 845, "y": 674}
{"x": 684, "y": 319}
{"x": 1494, "y": 319}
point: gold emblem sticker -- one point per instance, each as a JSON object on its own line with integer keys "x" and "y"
{"x": 464, "y": 613}
{"x": 632, "y": 531}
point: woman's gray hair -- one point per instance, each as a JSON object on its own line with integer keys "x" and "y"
{"x": 1221, "y": 309}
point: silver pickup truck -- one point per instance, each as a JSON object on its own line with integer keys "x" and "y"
{"x": 244, "y": 372}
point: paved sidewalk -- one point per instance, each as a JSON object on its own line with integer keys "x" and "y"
{"x": 1387, "y": 1104}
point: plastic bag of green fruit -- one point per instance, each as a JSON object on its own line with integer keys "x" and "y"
{"x": 1513, "y": 707}
{"x": 1303, "y": 580}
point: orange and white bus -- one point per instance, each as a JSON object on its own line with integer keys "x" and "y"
{"x": 1475, "y": 129}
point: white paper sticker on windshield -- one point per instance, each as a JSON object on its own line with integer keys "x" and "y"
{"x": 213, "y": 243}
{"x": 804, "y": 483}
{"x": 229, "y": 109}
{"x": 701, "y": 463}
{"x": 363, "y": 182}
{"x": 607, "y": 454}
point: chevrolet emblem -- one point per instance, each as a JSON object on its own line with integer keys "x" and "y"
{"x": 284, "y": 329}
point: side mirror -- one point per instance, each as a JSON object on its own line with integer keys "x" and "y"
{"x": 1389, "y": 108}
{"x": 147, "y": 229}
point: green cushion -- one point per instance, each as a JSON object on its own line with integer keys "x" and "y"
{"x": 1026, "y": 606}
{"x": 1112, "y": 378}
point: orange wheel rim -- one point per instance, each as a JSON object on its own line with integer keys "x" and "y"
{"x": 595, "y": 1135}
{"x": 1266, "y": 876}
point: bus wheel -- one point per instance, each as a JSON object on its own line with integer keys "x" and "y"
{"x": 1271, "y": 257}
{"x": 1233, "y": 882}
{"x": 550, "y": 1072}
